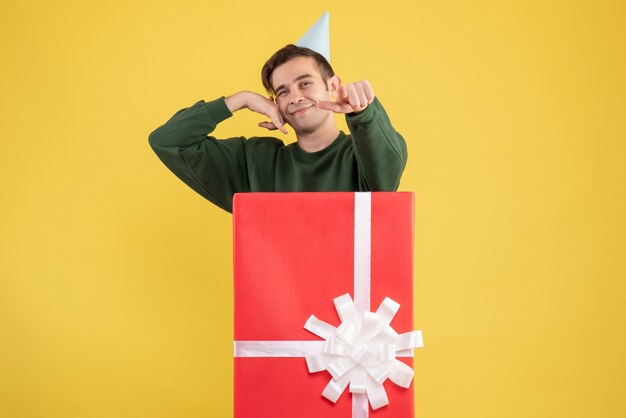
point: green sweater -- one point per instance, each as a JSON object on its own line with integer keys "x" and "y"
{"x": 371, "y": 158}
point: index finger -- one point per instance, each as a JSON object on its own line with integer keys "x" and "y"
{"x": 335, "y": 107}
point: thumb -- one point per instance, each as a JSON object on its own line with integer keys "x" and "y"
{"x": 268, "y": 125}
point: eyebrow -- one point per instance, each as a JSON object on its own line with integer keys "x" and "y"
{"x": 300, "y": 77}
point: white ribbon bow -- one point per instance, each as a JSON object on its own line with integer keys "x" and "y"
{"x": 362, "y": 351}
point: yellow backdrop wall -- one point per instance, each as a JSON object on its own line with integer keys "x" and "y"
{"x": 115, "y": 278}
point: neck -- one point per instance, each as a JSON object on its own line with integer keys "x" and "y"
{"x": 319, "y": 139}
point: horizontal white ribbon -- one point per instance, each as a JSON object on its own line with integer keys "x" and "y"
{"x": 276, "y": 348}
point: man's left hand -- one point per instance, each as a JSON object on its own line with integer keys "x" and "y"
{"x": 352, "y": 98}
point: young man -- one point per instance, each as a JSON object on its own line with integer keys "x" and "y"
{"x": 305, "y": 95}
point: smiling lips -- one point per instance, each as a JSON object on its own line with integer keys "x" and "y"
{"x": 300, "y": 111}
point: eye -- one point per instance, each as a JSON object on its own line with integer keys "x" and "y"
{"x": 304, "y": 84}
{"x": 281, "y": 93}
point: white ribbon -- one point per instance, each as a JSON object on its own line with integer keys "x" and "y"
{"x": 362, "y": 250}
{"x": 277, "y": 348}
{"x": 363, "y": 350}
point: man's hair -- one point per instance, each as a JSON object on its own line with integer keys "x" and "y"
{"x": 287, "y": 53}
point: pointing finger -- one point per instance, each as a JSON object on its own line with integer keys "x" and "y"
{"x": 327, "y": 105}
{"x": 335, "y": 107}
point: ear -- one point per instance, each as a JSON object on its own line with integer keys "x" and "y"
{"x": 333, "y": 85}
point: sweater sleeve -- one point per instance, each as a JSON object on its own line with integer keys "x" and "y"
{"x": 216, "y": 169}
{"x": 380, "y": 151}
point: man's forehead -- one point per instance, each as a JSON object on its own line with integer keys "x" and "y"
{"x": 293, "y": 70}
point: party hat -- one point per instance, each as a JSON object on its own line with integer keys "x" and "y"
{"x": 317, "y": 37}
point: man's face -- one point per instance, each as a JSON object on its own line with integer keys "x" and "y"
{"x": 299, "y": 87}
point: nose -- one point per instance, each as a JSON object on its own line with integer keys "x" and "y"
{"x": 295, "y": 97}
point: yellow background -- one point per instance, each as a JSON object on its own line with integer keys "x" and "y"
{"x": 115, "y": 278}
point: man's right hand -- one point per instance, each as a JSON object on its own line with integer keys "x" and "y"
{"x": 259, "y": 104}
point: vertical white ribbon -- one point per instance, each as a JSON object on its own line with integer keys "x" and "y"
{"x": 362, "y": 276}
{"x": 362, "y": 251}
{"x": 360, "y": 408}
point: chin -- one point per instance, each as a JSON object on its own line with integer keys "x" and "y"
{"x": 303, "y": 129}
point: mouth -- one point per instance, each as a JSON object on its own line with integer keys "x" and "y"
{"x": 300, "y": 111}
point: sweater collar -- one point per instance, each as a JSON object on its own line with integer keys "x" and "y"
{"x": 309, "y": 157}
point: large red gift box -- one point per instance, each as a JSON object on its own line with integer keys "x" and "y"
{"x": 294, "y": 253}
